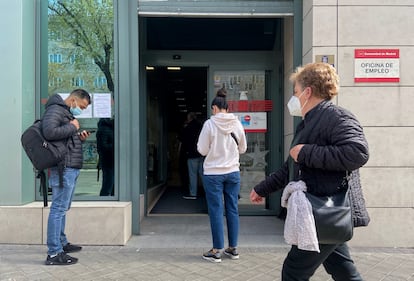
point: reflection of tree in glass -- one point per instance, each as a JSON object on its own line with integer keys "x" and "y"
{"x": 88, "y": 25}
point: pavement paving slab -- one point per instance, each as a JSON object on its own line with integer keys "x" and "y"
{"x": 169, "y": 248}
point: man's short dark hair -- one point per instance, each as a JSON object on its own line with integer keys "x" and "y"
{"x": 82, "y": 94}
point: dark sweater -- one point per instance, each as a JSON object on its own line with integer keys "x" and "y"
{"x": 189, "y": 138}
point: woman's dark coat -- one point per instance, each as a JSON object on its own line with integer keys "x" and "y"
{"x": 334, "y": 145}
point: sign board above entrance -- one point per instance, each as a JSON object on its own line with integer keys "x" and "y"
{"x": 377, "y": 65}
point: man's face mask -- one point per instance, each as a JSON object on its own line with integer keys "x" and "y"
{"x": 76, "y": 110}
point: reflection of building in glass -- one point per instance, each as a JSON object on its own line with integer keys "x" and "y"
{"x": 80, "y": 46}
{"x": 69, "y": 68}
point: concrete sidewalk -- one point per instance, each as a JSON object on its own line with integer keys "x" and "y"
{"x": 170, "y": 248}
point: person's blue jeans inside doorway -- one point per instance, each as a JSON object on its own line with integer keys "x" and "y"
{"x": 195, "y": 169}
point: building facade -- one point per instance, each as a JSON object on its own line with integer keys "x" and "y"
{"x": 168, "y": 58}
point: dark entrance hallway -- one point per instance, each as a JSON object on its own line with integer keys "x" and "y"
{"x": 240, "y": 54}
{"x": 172, "y": 94}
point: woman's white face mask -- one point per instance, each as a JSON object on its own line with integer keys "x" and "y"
{"x": 295, "y": 109}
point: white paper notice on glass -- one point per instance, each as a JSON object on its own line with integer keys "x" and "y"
{"x": 86, "y": 113}
{"x": 102, "y": 105}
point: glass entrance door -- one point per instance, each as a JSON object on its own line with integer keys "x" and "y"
{"x": 246, "y": 92}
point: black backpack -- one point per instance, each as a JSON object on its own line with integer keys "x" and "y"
{"x": 42, "y": 153}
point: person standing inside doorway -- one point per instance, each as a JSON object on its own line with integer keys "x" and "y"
{"x": 221, "y": 140}
{"x": 59, "y": 125}
{"x": 105, "y": 147}
{"x": 188, "y": 140}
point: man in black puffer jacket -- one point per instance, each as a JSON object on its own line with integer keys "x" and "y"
{"x": 59, "y": 125}
{"x": 329, "y": 144}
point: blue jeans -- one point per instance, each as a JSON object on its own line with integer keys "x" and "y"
{"x": 195, "y": 169}
{"x": 61, "y": 201}
{"x": 218, "y": 187}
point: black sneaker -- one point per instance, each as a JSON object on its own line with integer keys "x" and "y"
{"x": 60, "y": 259}
{"x": 190, "y": 197}
{"x": 232, "y": 253}
{"x": 71, "y": 248}
{"x": 212, "y": 256}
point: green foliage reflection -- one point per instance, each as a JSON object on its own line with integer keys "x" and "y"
{"x": 82, "y": 33}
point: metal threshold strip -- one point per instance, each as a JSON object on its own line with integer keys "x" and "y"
{"x": 216, "y": 15}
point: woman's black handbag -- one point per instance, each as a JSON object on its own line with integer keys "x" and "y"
{"x": 333, "y": 217}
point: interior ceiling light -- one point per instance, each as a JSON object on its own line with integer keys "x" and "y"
{"x": 173, "y": 68}
{"x": 149, "y": 68}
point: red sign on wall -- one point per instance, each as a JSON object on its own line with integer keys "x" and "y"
{"x": 377, "y": 65}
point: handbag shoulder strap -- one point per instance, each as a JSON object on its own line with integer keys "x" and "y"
{"x": 234, "y": 137}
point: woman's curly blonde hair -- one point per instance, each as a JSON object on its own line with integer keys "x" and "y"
{"x": 320, "y": 77}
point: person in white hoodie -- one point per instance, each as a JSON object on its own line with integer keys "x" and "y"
{"x": 221, "y": 141}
